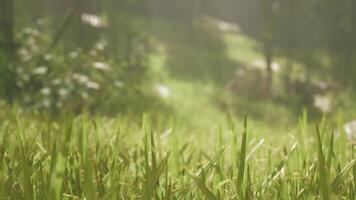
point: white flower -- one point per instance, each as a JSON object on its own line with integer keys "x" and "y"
{"x": 84, "y": 95}
{"x": 40, "y": 70}
{"x": 75, "y": 76}
{"x": 118, "y": 84}
{"x": 23, "y": 52}
{"x": 93, "y": 20}
{"x": 19, "y": 84}
{"x": 19, "y": 70}
{"x": 46, "y": 103}
{"x": 101, "y": 66}
{"x": 40, "y": 22}
{"x": 101, "y": 45}
{"x": 48, "y": 57}
{"x": 73, "y": 54}
{"x": 163, "y": 90}
{"x": 80, "y": 78}
{"x": 93, "y": 85}
{"x": 83, "y": 79}
{"x": 63, "y": 92}
{"x": 25, "y": 77}
{"x": 59, "y": 104}
{"x": 57, "y": 81}
{"x": 323, "y": 103}
{"x": 93, "y": 52}
{"x": 45, "y": 91}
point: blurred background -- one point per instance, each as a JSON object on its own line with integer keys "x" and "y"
{"x": 195, "y": 61}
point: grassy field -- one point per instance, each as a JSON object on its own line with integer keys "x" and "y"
{"x": 195, "y": 153}
{"x": 75, "y": 83}
{"x": 100, "y": 158}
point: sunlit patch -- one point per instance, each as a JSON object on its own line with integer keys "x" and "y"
{"x": 163, "y": 90}
{"x": 260, "y": 64}
{"x": 227, "y": 26}
{"x": 275, "y": 66}
{"x": 222, "y": 25}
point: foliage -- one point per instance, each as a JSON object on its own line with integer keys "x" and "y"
{"x": 77, "y": 79}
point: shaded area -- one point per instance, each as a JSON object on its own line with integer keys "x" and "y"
{"x": 196, "y": 52}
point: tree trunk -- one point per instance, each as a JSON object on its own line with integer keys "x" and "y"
{"x": 7, "y": 49}
{"x": 287, "y": 75}
{"x": 268, "y": 59}
{"x": 7, "y": 26}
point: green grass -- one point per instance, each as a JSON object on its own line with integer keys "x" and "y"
{"x": 100, "y": 158}
{"x": 242, "y": 48}
{"x": 195, "y": 153}
{"x": 197, "y": 63}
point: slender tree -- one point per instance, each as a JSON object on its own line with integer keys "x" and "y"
{"x": 267, "y": 37}
{"x": 7, "y": 48}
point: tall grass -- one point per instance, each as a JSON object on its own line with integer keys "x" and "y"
{"x": 88, "y": 158}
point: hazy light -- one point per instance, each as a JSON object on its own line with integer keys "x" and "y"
{"x": 163, "y": 90}
{"x": 350, "y": 130}
{"x": 260, "y": 64}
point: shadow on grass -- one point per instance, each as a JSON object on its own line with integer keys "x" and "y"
{"x": 196, "y": 53}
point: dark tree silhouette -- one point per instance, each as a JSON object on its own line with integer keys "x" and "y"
{"x": 7, "y": 48}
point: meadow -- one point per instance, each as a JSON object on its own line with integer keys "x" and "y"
{"x": 182, "y": 100}
{"x": 114, "y": 158}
